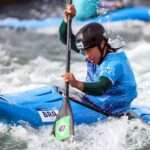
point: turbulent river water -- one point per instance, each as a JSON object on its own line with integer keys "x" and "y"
{"x": 34, "y": 58}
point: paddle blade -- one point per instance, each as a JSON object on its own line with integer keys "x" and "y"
{"x": 64, "y": 127}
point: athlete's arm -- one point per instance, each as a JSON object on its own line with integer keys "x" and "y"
{"x": 97, "y": 88}
{"x": 63, "y": 36}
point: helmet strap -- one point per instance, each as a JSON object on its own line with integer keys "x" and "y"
{"x": 103, "y": 49}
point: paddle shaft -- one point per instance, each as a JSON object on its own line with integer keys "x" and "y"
{"x": 68, "y": 58}
{"x": 68, "y": 54}
{"x": 64, "y": 125}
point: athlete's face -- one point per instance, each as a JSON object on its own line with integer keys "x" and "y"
{"x": 93, "y": 55}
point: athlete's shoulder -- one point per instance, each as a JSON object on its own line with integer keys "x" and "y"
{"x": 116, "y": 56}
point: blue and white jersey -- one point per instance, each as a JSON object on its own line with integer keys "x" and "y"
{"x": 116, "y": 67}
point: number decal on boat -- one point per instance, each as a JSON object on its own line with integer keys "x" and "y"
{"x": 48, "y": 116}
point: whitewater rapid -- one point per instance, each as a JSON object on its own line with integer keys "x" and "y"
{"x": 31, "y": 59}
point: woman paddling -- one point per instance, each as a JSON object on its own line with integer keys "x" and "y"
{"x": 110, "y": 82}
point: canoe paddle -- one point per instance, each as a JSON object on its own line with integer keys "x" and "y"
{"x": 63, "y": 127}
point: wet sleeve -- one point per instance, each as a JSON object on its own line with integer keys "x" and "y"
{"x": 63, "y": 36}
{"x": 97, "y": 88}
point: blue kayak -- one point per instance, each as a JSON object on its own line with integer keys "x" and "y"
{"x": 124, "y": 14}
{"x": 40, "y": 106}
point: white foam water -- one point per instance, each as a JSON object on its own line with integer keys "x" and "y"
{"x": 115, "y": 134}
